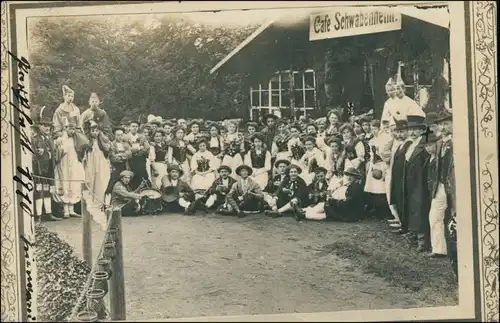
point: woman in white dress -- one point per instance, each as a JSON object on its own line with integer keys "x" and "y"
{"x": 177, "y": 153}
{"x": 202, "y": 166}
{"x": 96, "y": 163}
{"x": 69, "y": 171}
{"x": 233, "y": 146}
{"x": 259, "y": 159}
{"x": 312, "y": 159}
{"x": 158, "y": 157}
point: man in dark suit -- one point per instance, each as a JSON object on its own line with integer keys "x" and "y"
{"x": 397, "y": 165}
{"x": 43, "y": 166}
{"x": 215, "y": 196}
{"x": 415, "y": 191}
{"x": 273, "y": 185}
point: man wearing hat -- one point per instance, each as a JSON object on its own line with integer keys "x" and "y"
{"x": 270, "y": 130}
{"x": 345, "y": 203}
{"x": 245, "y": 194}
{"x": 440, "y": 197}
{"x": 215, "y": 196}
{"x": 177, "y": 194}
{"x": 415, "y": 191}
{"x": 123, "y": 196}
{"x": 273, "y": 185}
{"x": 43, "y": 166}
{"x": 318, "y": 189}
{"x": 291, "y": 195}
{"x": 98, "y": 115}
{"x": 139, "y": 146}
{"x": 395, "y": 172}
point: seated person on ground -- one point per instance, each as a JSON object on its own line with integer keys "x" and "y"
{"x": 273, "y": 185}
{"x": 177, "y": 195}
{"x": 318, "y": 189}
{"x": 215, "y": 196}
{"x": 245, "y": 194}
{"x": 291, "y": 194}
{"x": 122, "y": 195}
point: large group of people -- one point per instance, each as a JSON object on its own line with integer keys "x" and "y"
{"x": 341, "y": 167}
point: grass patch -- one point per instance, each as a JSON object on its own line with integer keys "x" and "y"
{"x": 377, "y": 251}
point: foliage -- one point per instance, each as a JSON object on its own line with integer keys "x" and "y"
{"x": 136, "y": 69}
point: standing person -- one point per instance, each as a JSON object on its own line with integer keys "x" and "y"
{"x": 215, "y": 144}
{"x": 251, "y": 130}
{"x": 172, "y": 184}
{"x": 119, "y": 155}
{"x": 354, "y": 149}
{"x": 416, "y": 194}
{"x": 389, "y": 111}
{"x": 295, "y": 145}
{"x": 98, "y": 115}
{"x": 279, "y": 148}
{"x": 335, "y": 161}
{"x": 139, "y": 146}
{"x": 312, "y": 158}
{"x": 245, "y": 194}
{"x": 64, "y": 111}
{"x": 192, "y": 138}
{"x": 396, "y": 185}
{"x": 43, "y": 166}
{"x": 233, "y": 146}
{"x": 69, "y": 171}
{"x": 270, "y": 130}
{"x": 441, "y": 208}
{"x": 177, "y": 153}
{"x": 332, "y": 122}
{"x": 158, "y": 153}
{"x": 259, "y": 159}
{"x": 96, "y": 162}
{"x": 203, "y": 168}
{"x": 291, "y": 195}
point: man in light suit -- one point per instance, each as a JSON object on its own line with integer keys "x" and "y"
{"x": 245, "y": 194}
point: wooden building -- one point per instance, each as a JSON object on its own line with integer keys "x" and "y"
{"x": 308, "y": 62}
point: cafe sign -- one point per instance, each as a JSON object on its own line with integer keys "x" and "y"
{"x": 344, "y": 22}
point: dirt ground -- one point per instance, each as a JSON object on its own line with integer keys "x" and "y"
{"x": 212, "y": 265}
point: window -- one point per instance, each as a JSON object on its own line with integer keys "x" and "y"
{"x": 275, "y": 95}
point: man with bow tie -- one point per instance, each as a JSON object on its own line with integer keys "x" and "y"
{"x": 291, "y": 195}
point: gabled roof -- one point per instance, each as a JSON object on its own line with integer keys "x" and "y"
{"x": 439, "y": 17}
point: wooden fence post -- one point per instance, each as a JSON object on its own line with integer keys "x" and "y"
{"x": 117, "y": 281}
{"x": 87, "y": 229}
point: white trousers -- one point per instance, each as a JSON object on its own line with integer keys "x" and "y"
{"x": 436, "y": 221}
{"x": 316, "y": 212}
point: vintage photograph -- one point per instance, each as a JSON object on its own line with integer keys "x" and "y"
{"x": 228, "y": 162}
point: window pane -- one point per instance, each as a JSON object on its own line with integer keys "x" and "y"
{"x": 265, "y": 98}
{"x": 275, "y": 78}
{"x": 297, "y": 79}
{"x": 285, "y": 77}
{"x": 255, "y": 98}
{"x": 310, "y": 99}
{"x": 285, "y": 85}
{"x": 309, "y": 80}
{"x": 275, "y": 84}
{"x": 275, "y": 98}
{"x": 299, "y": 98}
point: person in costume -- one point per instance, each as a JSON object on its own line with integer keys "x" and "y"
{"x": 119, "y": 155}
{"x": 335, "y": 160}
{"x": 274, "y": 184}
{"x": 96, "y": 162}
{"x": 177, "y": 153}
{"x": 167, "y": 131}
{"x": 415, "y": 190}
{"x": 321, "y": 135}
{"x": 215, "y": 144}
{"x": 366, "y": 126}
{"x": 192, "y": 138}
{"x": 279, "y": 148}
{"x": 215, "y": 196}
{"x": 270, "y": 130}
{"x": 295, "y": 145}
{"x": 183, "y": 124}
{"x": 69, "y": 171}
{"x": 441, "y": 195}
{"x": 158, "y": 158}
{"x": 245, "y": 194}
{"x": 98, "y": 115}
{"x": 183, "y": 195}
{"x": 291, "y": 195}
{"x": 66, "y": 110}
{"x": 259, "y": 159}
{"x": 318, "y": 189}
{"x": 202, "y": 167}
{"x": 139, "y": 147}
{"x": 312, "y": 158}
{"x": 375, "y": 127}
{"x": 233, "y": 145}
{"x": 332, "y": 122}
{"x": 345, "y": 202}
{"x": 43, "y": 166}
{"x": 354, "y": 149}
{"x": 389, "y": 109}
{"x": 251, "y": 130}
{"x": 122, "y": 195}
{"x": 394, "y": 175}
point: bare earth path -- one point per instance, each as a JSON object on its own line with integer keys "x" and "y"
{"x": 182, "y": 266}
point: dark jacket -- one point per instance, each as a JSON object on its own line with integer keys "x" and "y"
{"x": 214, "y": 189}
{"x": 397, "y": 183}
{"x": 273, "y": 184}
{"x": 317, "y": 194}
{"x": 181, "y": 187}
{"x": 43, "y": 164}
{"x": 350, "y": 209}
{"x": 299, "y": 188}
{"x": 444, "y": 160}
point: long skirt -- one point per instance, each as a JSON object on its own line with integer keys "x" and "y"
{"x": 69, "y": 175}
{"x": 159, "y": 170}
{"x": 262, "y": 179}
{"x": 373, "y": 185}
{"x": 233, "y": 163}
{"x": 97, "y": 174}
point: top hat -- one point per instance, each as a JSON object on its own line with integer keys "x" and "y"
{"x": 431, "y": 118}
{"x": 400, "y": 124}
{"x": 248, "y": 168}
{"x": 415, "y": 121}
